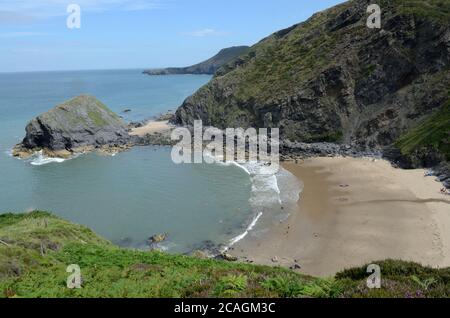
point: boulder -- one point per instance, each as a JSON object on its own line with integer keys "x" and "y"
{"x": 227, "y": 257}
{"x": 158, "y": 238}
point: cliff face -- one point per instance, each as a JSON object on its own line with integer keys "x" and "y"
{"x": 209, "y": 66}
{"x": 332, "y": 78}
{"x": 78, "y": 123}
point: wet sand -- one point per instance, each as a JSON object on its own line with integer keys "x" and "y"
{"x": 353, "y": 212}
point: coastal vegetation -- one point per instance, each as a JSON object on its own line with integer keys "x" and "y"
{"x": 431, "y": 135}
{"x": 331, "y": 78}
{"x": 36, "y": 248}
{"x": 388, "y": 88}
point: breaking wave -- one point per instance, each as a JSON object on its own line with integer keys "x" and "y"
{"x": 273, "y": 194}
{"x": 38, "y": 159}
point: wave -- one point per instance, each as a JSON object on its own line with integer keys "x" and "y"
{"x": 38, "y": 159}
{"x": 218, "y": 161}
{"x": 165, "y": 246}
{"x": 273, "y": 193}
{"x": 240, "y": 237}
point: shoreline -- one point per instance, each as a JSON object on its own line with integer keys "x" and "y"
{"x": 154, "y": 128}
{"x": 354, "y": 211}
{"x": 341, "y": 220}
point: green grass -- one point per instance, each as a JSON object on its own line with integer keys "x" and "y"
{"x": 40, "y": 246}
{"x": 438, "y": 10}
{"x": 97, "y": 118}
{"x": 36, "y": 249}
{"x": 78, "y": 111}
{"x": 432, "y": 134}
{"x": 399, "y": 279}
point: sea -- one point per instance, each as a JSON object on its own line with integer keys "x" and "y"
{"x": 133, "y": 195}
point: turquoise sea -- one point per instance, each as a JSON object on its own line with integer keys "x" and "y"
{"x": 131, "y": 196}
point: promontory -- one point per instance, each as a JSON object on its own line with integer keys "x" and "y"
{"x": 79, "y": 125}
{"x": 208, "y": 67}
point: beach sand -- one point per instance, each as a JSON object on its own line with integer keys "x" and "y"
{"x": 152, "y": 127}
{"x": 353, "y": 212}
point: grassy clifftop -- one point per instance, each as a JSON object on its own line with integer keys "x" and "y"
{"x": 36, "y": 248}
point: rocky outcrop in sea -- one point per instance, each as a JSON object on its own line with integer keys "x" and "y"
{"x": 79, "y": 125}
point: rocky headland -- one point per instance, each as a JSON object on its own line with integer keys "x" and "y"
{"x": 80, "y": 125}
{"x": 208, "y": 67}
{"x": 336, "y": 87}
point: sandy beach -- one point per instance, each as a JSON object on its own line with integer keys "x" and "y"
{"x": 353, "y": 212}
{"x": 152, "y": 127}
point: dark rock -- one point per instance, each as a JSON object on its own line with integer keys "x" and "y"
{"x": 443, "y": 178}
{"x": 226, "y": 257}
{"x": 295, "y": 150}
{"x": 153, "y": 140}
{"x": 80, "y": 123}
{"x": 136, "y": 124}
{"x": 447, "y": 184}
{"x": 158, "y": 238}
{"x": 169, "y": 116}
{"x": 327, "y": 103}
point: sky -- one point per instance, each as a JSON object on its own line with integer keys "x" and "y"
{"x": 119, "y": 34}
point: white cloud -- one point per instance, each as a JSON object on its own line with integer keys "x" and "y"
{"x": 20, "y": 34}
{"x": 49, "y": 8}
{"x": 204, "y": 33}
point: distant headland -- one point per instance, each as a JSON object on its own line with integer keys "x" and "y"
{"x": 209, "y": 66}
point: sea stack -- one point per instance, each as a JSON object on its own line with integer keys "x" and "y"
{"x": 79, "y": 125}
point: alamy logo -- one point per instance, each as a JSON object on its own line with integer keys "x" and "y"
{"x": 374, "y": 280}
{"x": 374, "y": 19}
{"x": 74, "y": 279}
{"x": 74, "y": 18}
{"x": 213, "y": 145}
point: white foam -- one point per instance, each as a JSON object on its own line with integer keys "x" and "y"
{"x": 165, "y": 246}
{"x": 220, "y": 161}
{"x": 233, "y": 163}
{"x": 271, "y": 192}
{"x": 38, "y": 159}
{"x": 243, "y": 235}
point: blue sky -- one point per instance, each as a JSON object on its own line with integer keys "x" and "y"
{"x": 137, "y": 33}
